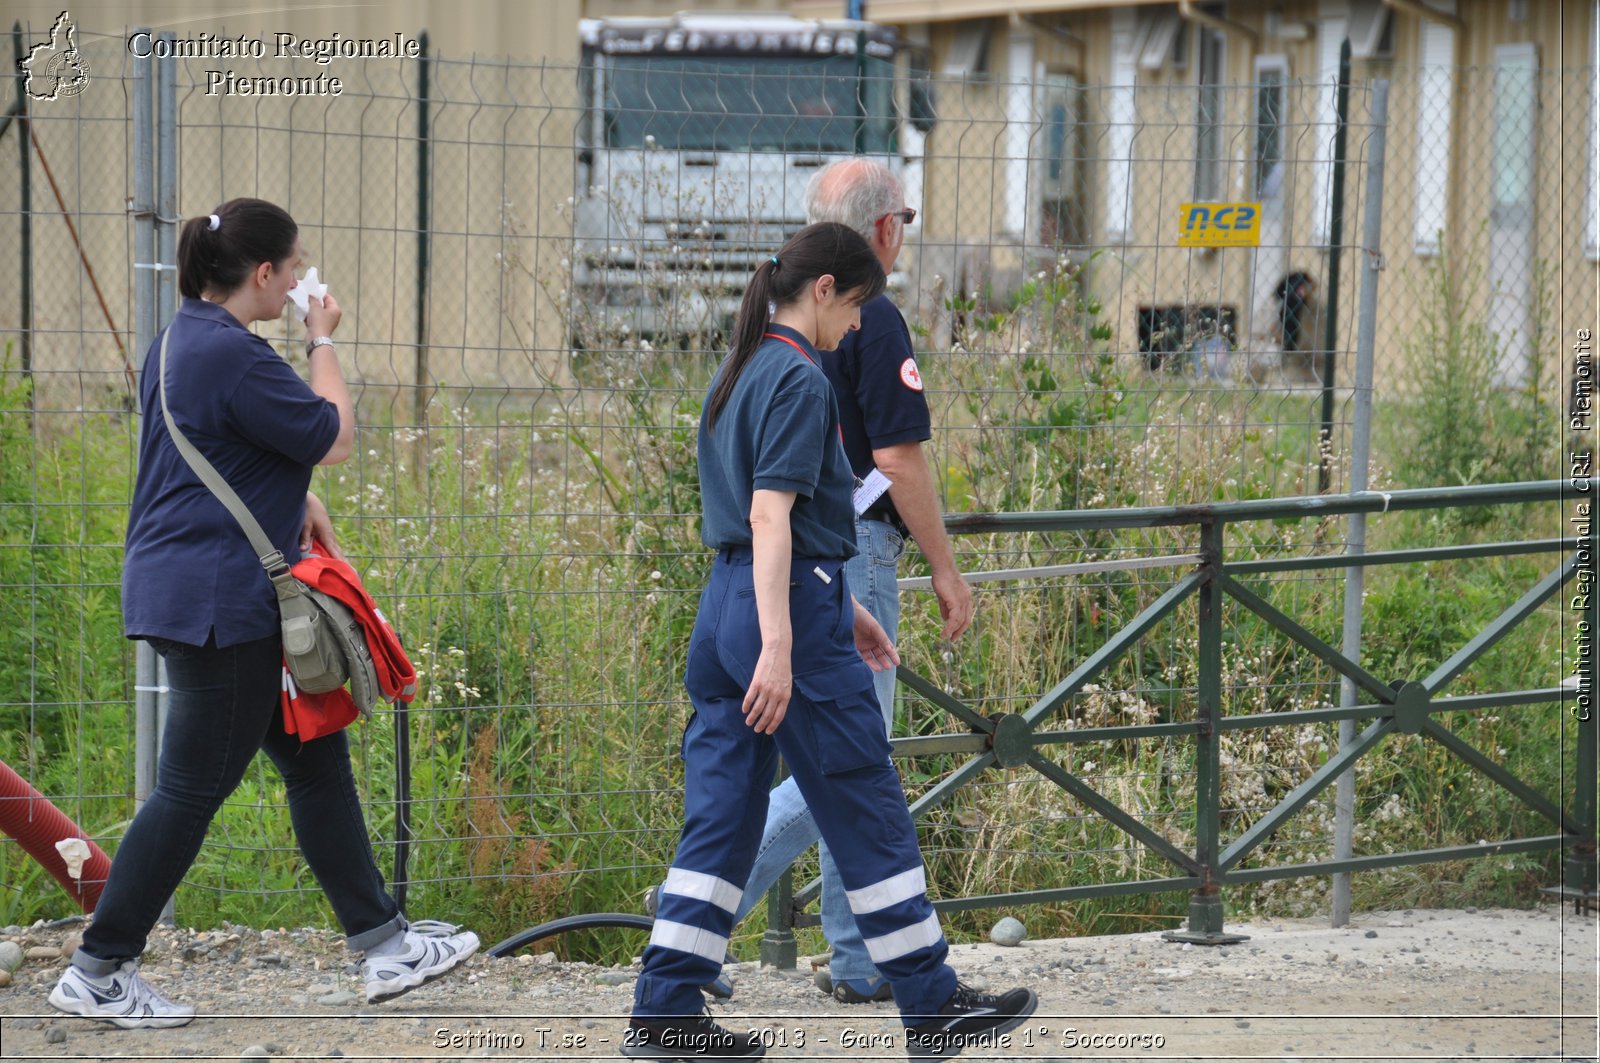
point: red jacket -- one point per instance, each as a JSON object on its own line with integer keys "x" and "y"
{"x": 314, "y": 715}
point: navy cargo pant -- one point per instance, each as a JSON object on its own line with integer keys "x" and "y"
{"x": 833, "y": 741}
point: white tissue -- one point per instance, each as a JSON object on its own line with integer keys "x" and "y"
{"x": 300, "y": 295}
{"x": 75, "y": 851}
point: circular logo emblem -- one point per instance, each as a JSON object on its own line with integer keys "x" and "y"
{"x": 910, "y": 376}
{"x": 68, "y": 72}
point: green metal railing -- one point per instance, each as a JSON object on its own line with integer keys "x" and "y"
{"x": 1015, "y": 740}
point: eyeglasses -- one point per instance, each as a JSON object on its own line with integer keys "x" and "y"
{"x": 906, "y": 215}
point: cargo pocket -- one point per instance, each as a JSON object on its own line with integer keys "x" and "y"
{"x": 839, "y": 707}
{"x": 822, "y": 619}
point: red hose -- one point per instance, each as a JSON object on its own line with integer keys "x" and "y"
{"x": 28, "y": 816}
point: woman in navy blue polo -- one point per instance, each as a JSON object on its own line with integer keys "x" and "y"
{"x": 781, "y": 661}
{"x": 195, "y": 590}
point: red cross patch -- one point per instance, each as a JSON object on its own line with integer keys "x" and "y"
{"x": 910, "y": 376}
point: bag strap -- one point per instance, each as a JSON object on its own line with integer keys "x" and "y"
{"x": 271, "y": 557}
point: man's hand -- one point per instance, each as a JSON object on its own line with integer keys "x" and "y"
{"x": 917, "y": 501}
{"x": 955, "y": 602}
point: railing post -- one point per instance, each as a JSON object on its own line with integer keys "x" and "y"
{"x": 1205, "y": 903}
{"x": 1579, "y": 877}
{"x": 778, "y": 948}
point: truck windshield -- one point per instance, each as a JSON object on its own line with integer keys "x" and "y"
{"x": 739, "y": 103}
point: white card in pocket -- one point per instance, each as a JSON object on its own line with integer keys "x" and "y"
{"x": 869, "y": 491}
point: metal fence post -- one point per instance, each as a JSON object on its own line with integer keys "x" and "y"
{"x": 1330, "y": 320}
{"x": 1360, "y": 458}
{"x": 165, "y": 276}
{"x": 420, "y": 373}
{"x": 1205, "y": 903}
{"x": 166, "y": 219}
{"x": 25, "y": 215}
{"x": 146, "y": 666}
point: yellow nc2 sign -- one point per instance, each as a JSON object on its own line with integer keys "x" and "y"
{"x": 1219, "y": 225}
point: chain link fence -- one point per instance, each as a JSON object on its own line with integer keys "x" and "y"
{"x": 532, "y": 317}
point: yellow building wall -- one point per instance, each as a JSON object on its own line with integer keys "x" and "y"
{"x": 966, "y": 187}
{"x": 346, "y": 167}
{"x": 502, "y": 137}
{"x": 1562, "y": 273}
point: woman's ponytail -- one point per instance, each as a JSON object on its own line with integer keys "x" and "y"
{"x": 247, "y": 233}
{"x": 194, "y": 256}
{"x": 755, "y": 314}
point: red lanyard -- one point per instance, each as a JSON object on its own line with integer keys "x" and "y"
{"x": 807, "y": 357}
{"x": 792, "y": 343}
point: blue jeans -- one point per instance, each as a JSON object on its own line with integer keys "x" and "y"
{"x": 791, "y": 829}
{"x": 224, "y": 707}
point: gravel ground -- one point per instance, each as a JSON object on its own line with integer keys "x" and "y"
{"x": 1414, "y": 985}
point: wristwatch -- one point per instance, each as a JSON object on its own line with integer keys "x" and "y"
{"x": 318, "y": 341}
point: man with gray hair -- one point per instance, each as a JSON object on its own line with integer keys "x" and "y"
{"x": 883, "y": 418}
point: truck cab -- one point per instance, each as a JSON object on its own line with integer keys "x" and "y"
{"x": 698, "y": 136}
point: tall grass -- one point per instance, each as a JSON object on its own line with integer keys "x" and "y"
{"x": 540, "y": 555}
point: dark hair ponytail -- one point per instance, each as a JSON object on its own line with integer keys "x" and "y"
{"x": 248, "y": 233}
{"x": 824, "y": 248}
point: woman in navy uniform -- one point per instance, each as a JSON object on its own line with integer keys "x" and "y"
{"x": 781, "y": 661}
{"x": 195, "y": 590}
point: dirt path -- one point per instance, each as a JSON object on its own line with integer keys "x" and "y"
{"x": 1423, "y": 985}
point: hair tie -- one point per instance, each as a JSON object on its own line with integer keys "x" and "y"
{"x": 216, "y": 223}
{"x": 774, "y": 261}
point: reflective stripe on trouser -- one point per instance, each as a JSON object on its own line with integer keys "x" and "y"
{"x": 833, "y": 741}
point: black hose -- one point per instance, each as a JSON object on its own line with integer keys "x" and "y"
{"x": 568, "y": 923}
{"x": 718, "y": 987}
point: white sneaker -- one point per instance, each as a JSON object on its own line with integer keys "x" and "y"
{"x": 121, "y": 997}
{"x": 432, "y": 948}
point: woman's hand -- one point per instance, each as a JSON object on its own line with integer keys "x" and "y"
{"x": 322, "y": 316}
{"x": 767, "y": 701}
{"x": 327, "y": 379}
{"x": 872, "y": 642}
{"x": 319, "y": 526}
